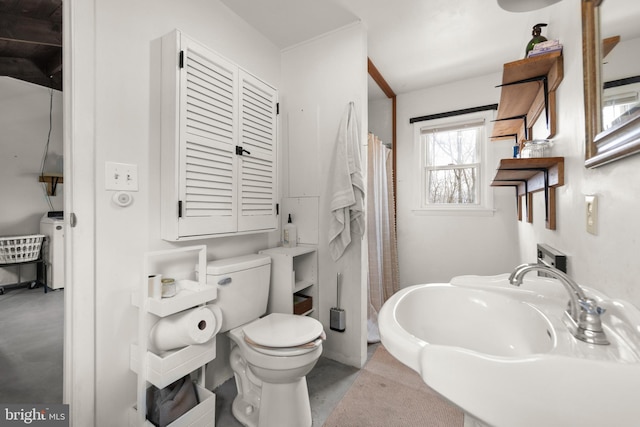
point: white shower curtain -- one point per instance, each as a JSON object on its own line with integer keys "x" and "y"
{"x": 381, "y": 231}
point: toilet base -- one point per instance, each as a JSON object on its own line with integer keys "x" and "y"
{"x": 272, "y": 389}
{"x": 285, "y": 405}
{"x": 244, "y": 412}
{"x": 281, "y": 405}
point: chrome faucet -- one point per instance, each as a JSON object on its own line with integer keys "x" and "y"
{"x": 583, "y": 314}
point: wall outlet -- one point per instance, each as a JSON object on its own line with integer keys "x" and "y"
{"x": 591, "y": 207}
{"x": 121, "y": 176}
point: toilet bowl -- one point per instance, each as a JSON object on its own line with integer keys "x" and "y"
{"x": 270, "y": 355}
{"x": 277, "y": 395}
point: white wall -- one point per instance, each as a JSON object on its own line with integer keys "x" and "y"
{"x": 24, "y": 121}
{"x": 607, "y": 261}
{"x": 434, "y": 248}
{"x": 381, "y": 119}
{"x": 320, "y": 78}
{"x": 622, "y": 61}
{"x": 127, "y": 130}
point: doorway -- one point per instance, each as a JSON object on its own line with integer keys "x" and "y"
{"x": 383, "y": 271}
{"x": 32, "y": 146}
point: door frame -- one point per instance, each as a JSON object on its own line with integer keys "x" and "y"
{"x": 79, "y": 379}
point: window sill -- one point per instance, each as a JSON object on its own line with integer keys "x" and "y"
{"x": 447, "y": 211}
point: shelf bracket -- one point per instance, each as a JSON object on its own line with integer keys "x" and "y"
{"x": 526, "y": 200}
{"x": 523, "y": 81}
{"x": 545, "y": 173}
{"x": 525, "y": 183}
{"x": 546, "y": 195}
{"x": 507, "y": 135}
{"x": 52, "y": 182}
{"x": 520, "y": 117}
{"x": 545, "y": 84}
{"x": 531, "y": 175}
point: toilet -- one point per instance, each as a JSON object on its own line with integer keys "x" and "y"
{"x": 270, "y": 355}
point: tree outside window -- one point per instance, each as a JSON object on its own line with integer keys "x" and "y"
{"x": 451, "y": 164}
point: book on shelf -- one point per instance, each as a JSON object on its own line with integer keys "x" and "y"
{"x": 547, "y": 44}
{"x": 544, "y": 51}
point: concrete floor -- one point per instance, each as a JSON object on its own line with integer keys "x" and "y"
{"x": 31, "y": 346}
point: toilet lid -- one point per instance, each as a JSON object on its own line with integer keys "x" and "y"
{"x": 283, "y": 330}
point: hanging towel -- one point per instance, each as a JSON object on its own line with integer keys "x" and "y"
{"x": 347, "y": 186}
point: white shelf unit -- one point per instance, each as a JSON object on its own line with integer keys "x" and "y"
{"x": 293, "y": 271}
{"x": 163, "y": 369}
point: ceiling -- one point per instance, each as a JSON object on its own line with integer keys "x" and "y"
{"x": 31, "y": 41}
{"x": 416, "y": 44}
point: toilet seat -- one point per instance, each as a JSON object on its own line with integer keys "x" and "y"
{"x": 285, "y": 351}
{"x": 285, "y": 335}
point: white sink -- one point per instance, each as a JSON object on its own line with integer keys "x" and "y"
{"x": 503, "y": 354}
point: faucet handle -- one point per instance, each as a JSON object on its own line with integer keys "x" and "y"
{"x": 590, "y": 306}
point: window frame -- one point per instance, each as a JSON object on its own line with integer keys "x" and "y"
{"x": 484, "y": 205}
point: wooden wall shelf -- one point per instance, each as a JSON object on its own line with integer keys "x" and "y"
{"x": 608, "y": 44}
{"x": 523, "y": 98}
{"x": 529, "y": 176}
{"x": 52, "y": 180}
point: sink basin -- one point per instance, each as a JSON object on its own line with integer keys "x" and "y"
{"x": 474, "y": 319}
{"x": 503, "y": 354}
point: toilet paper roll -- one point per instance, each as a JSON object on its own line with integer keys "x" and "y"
{"x": 155, "y": 286}
{"x": 194, "y": 326}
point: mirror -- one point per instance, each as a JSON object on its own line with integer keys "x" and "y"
{"x": 622, "y": 137}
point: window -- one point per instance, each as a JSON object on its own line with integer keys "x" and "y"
{"x": 451, "y": 156}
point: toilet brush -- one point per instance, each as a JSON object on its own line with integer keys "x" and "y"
{"x": 337, "y": 320}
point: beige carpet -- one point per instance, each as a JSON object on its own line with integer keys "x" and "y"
{"x": 389, "y": 394}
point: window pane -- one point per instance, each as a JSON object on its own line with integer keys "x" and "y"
{"x": 456, "y": 147}
{"x": 452, "y": 186}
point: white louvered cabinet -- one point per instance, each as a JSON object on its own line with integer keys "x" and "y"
{"x": 218, "y": 154}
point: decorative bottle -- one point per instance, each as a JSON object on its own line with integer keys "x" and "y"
{"x": 537, "y": 38}
{"x": 290, "y": 234}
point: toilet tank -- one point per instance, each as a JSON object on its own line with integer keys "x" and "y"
{"x": 243, "y": 288}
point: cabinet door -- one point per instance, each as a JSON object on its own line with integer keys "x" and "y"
{"x": 208, "y": 135}
{"x": 218, "y": 145}
{"x": 257, "y": 165}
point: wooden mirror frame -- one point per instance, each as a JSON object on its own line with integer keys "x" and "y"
{"x": 620, "y": 141}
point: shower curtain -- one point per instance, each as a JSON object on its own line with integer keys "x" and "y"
{"x": 381, "y": 232}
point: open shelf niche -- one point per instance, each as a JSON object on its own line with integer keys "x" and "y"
{"x": 294, "y": 280}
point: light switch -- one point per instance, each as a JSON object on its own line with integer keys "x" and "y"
{"x": 121, "y": 176}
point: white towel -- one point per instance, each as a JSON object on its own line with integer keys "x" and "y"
{"x": 347, "y": 186}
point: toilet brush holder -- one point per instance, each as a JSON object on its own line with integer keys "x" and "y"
{"x": 337, "y": 318}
